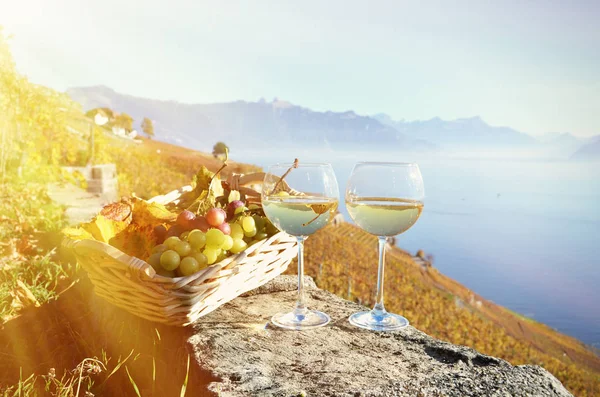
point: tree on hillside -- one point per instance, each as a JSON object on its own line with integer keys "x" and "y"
{"x": 220, "y": 149}
{"x": 148, "y": 127}
{"x": 105, "y": 111}
{"x": 123, "y": 120}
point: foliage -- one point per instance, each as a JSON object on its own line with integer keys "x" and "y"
{"x": 154, "y": 167}
{"x": 148, "y": 127}
{"x": 220, "y": 149}
{"x": 104, "y": 111}
{"x": 36, "y": 135}
{"x": 127, "y": 225}
{"x": 29, "y": 225}
{"x": 123, "y": 120}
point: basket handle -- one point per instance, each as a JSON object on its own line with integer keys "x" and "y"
{"x": 241, "y": 182}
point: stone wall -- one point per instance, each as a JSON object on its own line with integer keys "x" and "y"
{"x": 101, "y": 180}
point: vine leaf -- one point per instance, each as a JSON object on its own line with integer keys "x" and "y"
{"x": 206, "y": 187}
{"x": 318, "y": 209}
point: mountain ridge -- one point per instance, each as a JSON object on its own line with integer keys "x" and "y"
{"x": 461, "y": 131}
{"x": 178, "y": 122}
{"x": 278, "y": 120}
{"x": 589, "y": 151}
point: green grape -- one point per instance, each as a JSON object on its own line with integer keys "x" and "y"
{"x": 183, "y": 248}
{"x": 259, "y": 221}
{"x": 214, "y": 238}
{"x": 197, "y": 239}
{"x": 260, "y": 236}
{"x": 184, "y": 235}
{"x": 171, "y": 242}
{"x": 200, "y": 258}
{"x": 169, "y": 260}
{"x": 154, "y": 260}
{"x": 248, "y": 224}
{"x": 251, "y": 233}
{"x": 236, "y": 231}
{"x": 270, "y": 228}
{"x": 211, "y": 255}
{"x": 189, "y": 265}
{"x": 238, "y": 246}
{"x": 227, "y": 244}
{"x": 221, "y": 256}
{"x": 159, "y": 249}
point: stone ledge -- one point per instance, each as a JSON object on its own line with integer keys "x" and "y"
{"x": 252, "y": 358}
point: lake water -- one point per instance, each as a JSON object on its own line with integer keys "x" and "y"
{"x": 522, "y": 233}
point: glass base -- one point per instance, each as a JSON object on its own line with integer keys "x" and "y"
{"x": 300, "y": 320}
{"x": 374, "y": 321}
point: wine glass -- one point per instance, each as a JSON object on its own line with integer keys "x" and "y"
{"x": 384, "y": 199}
{"x": 300, "y": 199}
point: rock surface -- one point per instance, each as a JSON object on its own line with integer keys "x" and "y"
{"x": 253, "y": 358}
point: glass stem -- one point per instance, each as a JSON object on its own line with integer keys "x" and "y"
{"x": 300, "y": 309}
{"x": 379, "y": 309}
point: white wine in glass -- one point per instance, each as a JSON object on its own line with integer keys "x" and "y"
{"x": 384, "y": 199}
{"x": 300, "y": 199}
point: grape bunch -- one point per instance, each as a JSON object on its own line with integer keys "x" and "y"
{"x": 195, "y": 242}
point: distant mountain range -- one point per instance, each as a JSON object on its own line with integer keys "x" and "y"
{"x": 253, "y": 121}
{"x": 194, "y": 125}
{"x": 460, "y": 132}
{"x": 590, "y": 151}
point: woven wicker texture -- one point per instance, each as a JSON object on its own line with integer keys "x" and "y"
{"x": 132, "y": 284}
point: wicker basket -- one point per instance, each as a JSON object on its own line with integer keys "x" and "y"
{"x": 132, "y": 284}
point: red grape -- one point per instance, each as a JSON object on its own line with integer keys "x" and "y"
{"x": 175, "y": 230}
{"x": 200, "y": 223}
{"x": 215, "y": 217}
{"x": 185, "y": 218}
{"x": 160, "y": 232}
{"x": 232, "y": 207}
{"x": 225, "y": 228}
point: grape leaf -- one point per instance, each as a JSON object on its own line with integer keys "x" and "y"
{"x": 206, "y": 188}
{"x": 206, "y": 198}
{"x": 319, "y": 209}
{"x": 202, "y": 180}
{"x": 145, "y": 213}
{"x": 103, "y": 229}
{"x": 135, "y": 240}
{"x": 120, "y": 211}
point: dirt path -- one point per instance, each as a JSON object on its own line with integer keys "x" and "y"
{"x": 81, "y": 205}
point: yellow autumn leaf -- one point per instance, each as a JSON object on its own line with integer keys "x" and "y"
{"x": 103, "y": 229}
{"x": 135, "y": 240}
{"x": 202, "y": 180}
{"x": 145, "y": 213}
{"x": 77, "y": 233}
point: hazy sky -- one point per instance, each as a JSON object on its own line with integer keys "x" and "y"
{"x": 532, "y": 65}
